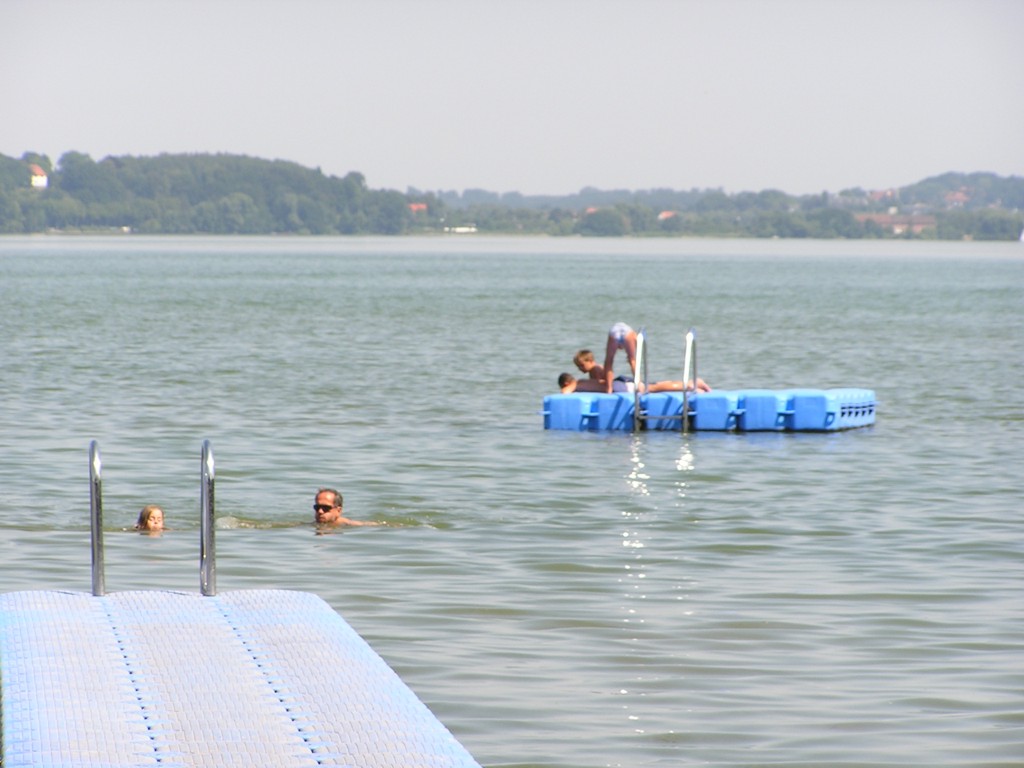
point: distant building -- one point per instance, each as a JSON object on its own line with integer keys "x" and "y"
{"x": 957, "y": 199}
{"x": 898, "y": 225}
{"x": 418, "y": 207}
{"x": 39, "y": 178}
{"x": 666, "y": 215}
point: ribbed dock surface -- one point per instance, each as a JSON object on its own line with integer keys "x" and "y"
{"x": 250, "y": 678}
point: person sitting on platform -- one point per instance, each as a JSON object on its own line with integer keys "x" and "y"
{"x": 327, "y": 507}
{"x": 151, "y": 518}
{"x": 568, "y": 384}
{"x": 584, "y": 360}
{"x": 620, "y": 336}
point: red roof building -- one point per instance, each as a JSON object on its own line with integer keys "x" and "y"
{"x": 39, "y": 178}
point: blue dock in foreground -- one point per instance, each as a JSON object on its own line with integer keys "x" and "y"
{"x": 744, "y": 410}
{"x": 268, "y": 677}
{"x": 246, "y": 678}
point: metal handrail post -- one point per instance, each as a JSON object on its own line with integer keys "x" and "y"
{"x": 96, "y": 517}
{"x": 207, "y": 554}
{"x": 689, "y": 375}
{"x": 644, "y": 375}
{"x": 641, "y": 374}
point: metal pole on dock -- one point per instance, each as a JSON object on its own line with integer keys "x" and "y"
{"x": 207, "y": 554}
{"x": 639, "y": 378}
{"x": 96, "y": 516}
{"x": 689, "y": 375}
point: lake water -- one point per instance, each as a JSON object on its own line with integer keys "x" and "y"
{"x": 559, "y": 600}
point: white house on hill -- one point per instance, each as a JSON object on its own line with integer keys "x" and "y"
{"x": 39, "y": 178}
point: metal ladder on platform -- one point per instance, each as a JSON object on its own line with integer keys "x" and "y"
{"x": 689, "y": 375}
{"x": 207, "y": 554}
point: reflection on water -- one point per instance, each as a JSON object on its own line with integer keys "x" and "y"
{"x": 685, "y": 462}
{"x": 637, "y": 478}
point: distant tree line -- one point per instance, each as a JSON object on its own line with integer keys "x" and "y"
{"x": 189, "y": 194}
{"x": 239, "y": 195}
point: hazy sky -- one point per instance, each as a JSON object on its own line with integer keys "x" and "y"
{"x": 536, "y": 96}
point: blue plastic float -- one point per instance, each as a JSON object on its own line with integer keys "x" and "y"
{"x": 724, "y": 410}
{"x": 743, "y": 410}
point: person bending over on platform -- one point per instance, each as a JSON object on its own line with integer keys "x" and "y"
{"x": 327, "y": 507}
{"x": 151, "y": 518}
{"x": 620, "y": 336}
{"x": 567, "y": 383}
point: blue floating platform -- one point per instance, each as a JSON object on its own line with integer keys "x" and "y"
{"x": 743, "y": 410}
{"x": 248, "y": 678}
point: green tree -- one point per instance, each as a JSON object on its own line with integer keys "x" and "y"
{"x": 872, "y": 229}
{"x": 233, "y": 214}
{"x": 315, "y": 216}
{"x": 388, "y": 213}
{"x": 639, "y": 218}
{"x": 833, "y": 222}
{"x": 715, "y": 202}
{"x": 285, "y": 209}
{"x": 88, "y": 181}
{"x": 34, "y": 158}
{"x": 11, "y": 220}
{"x": 63, "y": 211}
{"x": 14, "y": 174}
{"x": 779, "y": 224}
{"x": 990, "y": 224}
{"x": 672, "y": 225}
{"x": 560, "y": 221}
{"x": 604, "y": 222}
